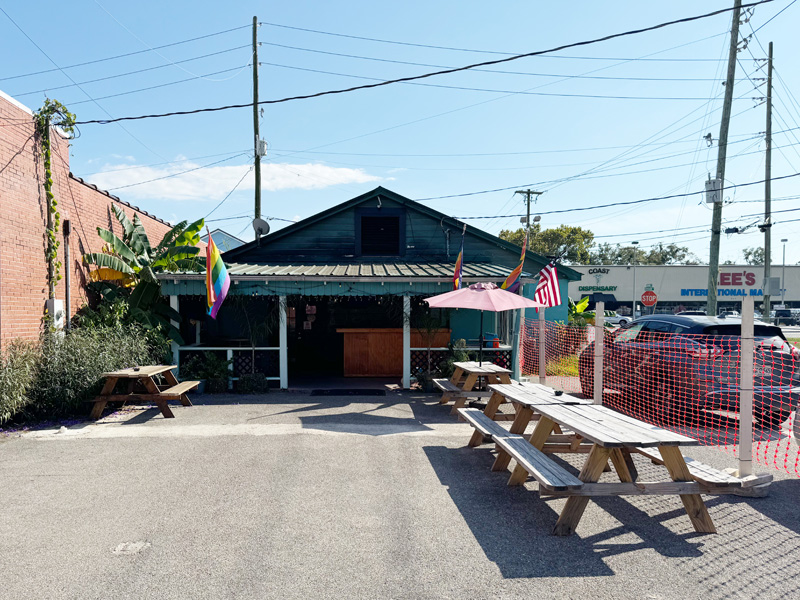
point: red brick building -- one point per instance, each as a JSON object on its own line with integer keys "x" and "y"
{"x": 23, "y": 219}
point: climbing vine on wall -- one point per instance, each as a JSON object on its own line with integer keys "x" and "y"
{"x": 52, "y": 114}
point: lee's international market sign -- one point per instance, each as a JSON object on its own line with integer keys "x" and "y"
{"x": 679, "y": 283}
{"x": 730, "y": 285}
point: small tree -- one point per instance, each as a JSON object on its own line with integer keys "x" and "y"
{"x": 128, "y": 267}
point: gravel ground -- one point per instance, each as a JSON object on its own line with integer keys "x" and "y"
{"x": 291, "y": 496}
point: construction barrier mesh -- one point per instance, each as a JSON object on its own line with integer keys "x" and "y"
{"x": 689, "y": 383}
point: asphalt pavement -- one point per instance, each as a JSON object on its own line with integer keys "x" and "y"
{"x": 295, "y": 496}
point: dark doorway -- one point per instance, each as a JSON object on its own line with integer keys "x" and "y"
{"x": 315, "y": 347}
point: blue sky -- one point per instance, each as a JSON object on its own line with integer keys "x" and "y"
{"x": 543, "y": 121}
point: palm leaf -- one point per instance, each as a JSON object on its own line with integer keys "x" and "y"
{"x": 170, "y": 237}
{"x": 119, "y": 247}
{"x": 147, "y": 274}
{"x": 175, "y": 254}
{"x": 139, "y": 241}
{"x": 108, "y": 261}
{"x": 127, "y": 226}
{"x": 195, "y": 264}
{"x": 144, "y": 296}
{"x": 190, "y": 235}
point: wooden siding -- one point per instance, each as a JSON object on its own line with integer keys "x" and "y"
{"x": 334, "y": 239}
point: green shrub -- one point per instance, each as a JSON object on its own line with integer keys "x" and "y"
{"x": 252, "y": 383}
{"x": 17, "y": 371}
{"x": 70, "y": 366}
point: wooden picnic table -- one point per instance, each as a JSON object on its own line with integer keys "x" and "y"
{"x": 464, "y": 380}
{"x": 601, "y": 433}
{"x": 143, "y": 376}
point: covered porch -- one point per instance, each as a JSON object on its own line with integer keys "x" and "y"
{"x": 294, "y": 323}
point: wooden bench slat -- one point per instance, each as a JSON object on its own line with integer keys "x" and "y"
{"x": 700, "y": 472}
{"x": 180, "y": 389}
{"x": 541, "y": 467}
{"x": 482, "y": 423}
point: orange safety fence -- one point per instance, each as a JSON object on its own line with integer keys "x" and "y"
{"x": 688, "y": 383}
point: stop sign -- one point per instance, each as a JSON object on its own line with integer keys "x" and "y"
{"x": 649, "y": 298}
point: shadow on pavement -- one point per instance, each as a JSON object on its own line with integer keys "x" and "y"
{"x": 511, "y": 524}
{"x": 362, "y": 423}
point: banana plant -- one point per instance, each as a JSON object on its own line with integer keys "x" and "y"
{"x": 131, "y": 261}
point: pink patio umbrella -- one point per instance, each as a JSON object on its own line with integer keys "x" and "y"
{"x": 482, "y": 296}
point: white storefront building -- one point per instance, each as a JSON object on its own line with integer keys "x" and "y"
{"x": 683, "y": 287}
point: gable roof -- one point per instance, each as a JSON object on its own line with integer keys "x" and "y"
{"x": 233, "y": 255}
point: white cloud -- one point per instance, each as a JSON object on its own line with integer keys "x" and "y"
{"x": 213, "y": 183}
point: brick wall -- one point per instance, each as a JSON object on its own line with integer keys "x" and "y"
{"x": 23, "y": 219}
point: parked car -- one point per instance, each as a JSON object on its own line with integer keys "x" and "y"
{"x": 784, "y": 316}
{"x": 617, "y": 319}
{"x": 697, "y": 313}
{"x": 681, "y": 365}
{"x": 729, "y": 313}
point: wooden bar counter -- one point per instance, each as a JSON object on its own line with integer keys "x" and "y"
{"x": 379, "y": 352}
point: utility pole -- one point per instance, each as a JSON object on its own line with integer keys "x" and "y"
{"x": 528, "y": 194}
{"x": 716, "y": 220}
{"x": 256, "y": 136}
{"x": 768, "y": 194}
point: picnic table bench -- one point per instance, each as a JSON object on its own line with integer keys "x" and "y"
{"x": 462, "y": 383}
{"x": 144, "y": 376}
{"x": 606, "y": 434}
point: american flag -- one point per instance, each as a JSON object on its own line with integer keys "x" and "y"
{"x": 547, "y": 291}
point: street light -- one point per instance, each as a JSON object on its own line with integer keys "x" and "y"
{"x": 633, "y": 259}
{"x": 783, "y": 276}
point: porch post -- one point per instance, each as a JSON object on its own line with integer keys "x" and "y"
{"x": 406, "y": 382}
{"x": 283, "y": 347}
{"x": 516, "y": 332}
{"x": 175, "y": 305}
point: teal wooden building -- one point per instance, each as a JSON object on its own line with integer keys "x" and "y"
{"x": 304, "y": 300}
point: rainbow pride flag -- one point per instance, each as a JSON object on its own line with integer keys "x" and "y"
{"x": 217, "y": 279}
{"x": 459, "y": 263}
{"x": 512, "y": 281}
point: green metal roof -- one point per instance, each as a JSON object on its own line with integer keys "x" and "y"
{"x": 375, "y": 271}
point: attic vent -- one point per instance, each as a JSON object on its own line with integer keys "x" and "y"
{"x": 380, "y": 236}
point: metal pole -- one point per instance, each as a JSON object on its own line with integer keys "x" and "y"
{"x": 542, "y": 349}
{"x": 256, "y": 134}
{"x": 746, "y": 390}
{"x": 67, "y": 278}
{"x": 599, "y": 318}
{"x": 633, "y": 305}
{"x": 406, "y": 381}
{"x": 768, "y": 194}
{"x": 283, "y": 344}
{"x": 716, "y": 219}
{"x": 518, "y": 316}
{"x": 783, "y": 276}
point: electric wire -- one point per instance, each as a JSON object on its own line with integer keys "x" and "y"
{"x": 427, "y": 75}
{"x": 129, "y": 185}
{"x": 489, "y": 90}
{"x": 63, "y": 72}
{"x": 136, "y": 72}
{"x": 228, "y": 195}
{"x": 99, "y": 60}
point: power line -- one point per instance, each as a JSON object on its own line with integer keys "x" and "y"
{"x": 99, "y": 60}
{"x": 39, "y": 48}
{"x": 630, "y": 202}
{"x": 228, "y": 195}
{"x": 161, "y": 85}
{"x": 120, "y": 187}
{"x": 499, "y": 72}
{"x": 61, "y": 87}
{"x": 169, "y": 162}
{"x": 431, "y": 74}
{"x": 493, "y": 91}
{"x": 369, "y": 39}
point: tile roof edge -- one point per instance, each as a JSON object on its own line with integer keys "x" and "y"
{"x": 117, "y": 199}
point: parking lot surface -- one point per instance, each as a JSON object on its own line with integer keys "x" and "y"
{"x": 294, "y": 496}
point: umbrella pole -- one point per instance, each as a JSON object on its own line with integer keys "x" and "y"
{"x": 480, "y": 341}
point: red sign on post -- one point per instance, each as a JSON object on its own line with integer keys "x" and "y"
{"x": 649, "y": 298}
